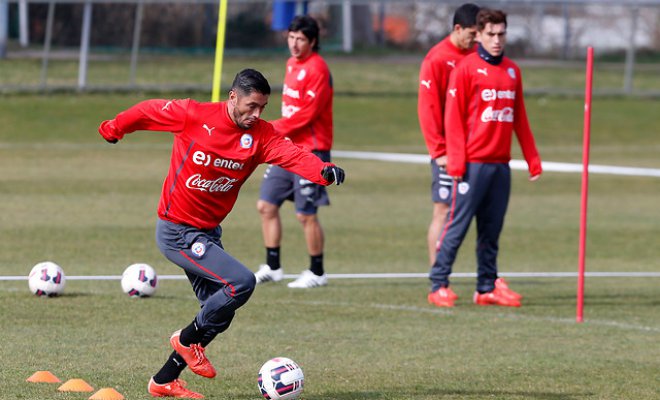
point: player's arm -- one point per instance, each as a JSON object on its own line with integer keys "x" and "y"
{"x": 524, "y": 134}
{"x": 150, "y": 115}
{"x": 456, "y": 109}
{"x": 432, "y": 88}
{"x": 283, "y": 152}
{"x": 317, "y": 94}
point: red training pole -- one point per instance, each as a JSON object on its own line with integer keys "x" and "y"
{"x": 585, "y": 183}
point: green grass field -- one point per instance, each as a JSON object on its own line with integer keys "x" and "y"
{"x": 353, "y": 74}
{"x": 69, "y": 197}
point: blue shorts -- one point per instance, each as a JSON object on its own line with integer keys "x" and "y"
{"x": 280, "y": 185}
{"x": 441, "y": 184}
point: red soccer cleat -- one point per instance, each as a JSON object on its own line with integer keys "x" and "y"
{"x": 443, "y": 297}
{"x": 176, "y": 388}
{"x": 495, "y": 298}
{"x": 501, "y": 284}
{"x": 450, "y": 293}
{"x": 193, "y": 355}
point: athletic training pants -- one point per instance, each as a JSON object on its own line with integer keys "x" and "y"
{"x": 221, "y": 283}
{"x": 483, "y": 193}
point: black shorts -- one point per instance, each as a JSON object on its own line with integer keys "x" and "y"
{"x": 441, "y": 184}
{"x": 280, "y": 185}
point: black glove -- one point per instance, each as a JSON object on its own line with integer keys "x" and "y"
{"x": 333, "y": 174}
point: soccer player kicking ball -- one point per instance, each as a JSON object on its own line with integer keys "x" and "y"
{"x": 216, "y": 148}
{"x": 484, "y": 105}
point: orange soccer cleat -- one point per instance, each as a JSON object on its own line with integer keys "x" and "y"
{"x": 495, "y": 298}
{"x": 193, "y": 355}
{"x": 443, "y": 297}
{"x": 501, "y": 284}
{"x": 176, "y": 388}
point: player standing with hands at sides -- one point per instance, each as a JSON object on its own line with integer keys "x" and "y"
{"x": 216, "y": 148}
{"x": 433, "y": 80}
{"x": 306, "y": 121}
{"x": 484, "y": 106}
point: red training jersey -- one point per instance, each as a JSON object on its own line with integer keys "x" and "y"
{"x": 307, "y": 103}
{"x": 433, "y": 79}
{"x": 484, "y": 105}
{"x": 211, "y": 157}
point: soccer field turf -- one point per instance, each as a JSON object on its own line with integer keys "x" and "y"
{"x": 90, "y": 207}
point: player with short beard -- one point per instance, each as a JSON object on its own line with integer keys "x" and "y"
{"x": 198, "y": 193}
{"x": 484, "y": 106}
{"x": 433, "y": 80}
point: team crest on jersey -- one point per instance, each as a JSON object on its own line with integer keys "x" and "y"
{"x": 198, "y": 249}
{"x": 512, "y": 73}
{"x": 301, "y": 75}
{"x": 463, "y": 187}
{"x": 444, "y": 193}
{"x": 246, "y": 141}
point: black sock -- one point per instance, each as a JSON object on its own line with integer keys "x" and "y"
{"x": 191, "y": 334}
{"x": 171, "y": 369}
{"x": 273, "y": 257}
{"x": 316, "y": 264}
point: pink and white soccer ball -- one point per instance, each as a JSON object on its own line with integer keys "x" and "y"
{"x": 139, "y": 280}
{"x": 281, "y": 378}
{"x": 47, "y": 279}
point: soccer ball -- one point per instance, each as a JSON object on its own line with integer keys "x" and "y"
{"x": 139, "y": 280}
{"x": 47, "y": 279}
{"x": 281, "y": 378}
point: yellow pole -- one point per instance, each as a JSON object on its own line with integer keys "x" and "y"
{"x": 219, "y": 51}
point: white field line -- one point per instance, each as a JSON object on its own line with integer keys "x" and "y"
{"x": 515, "y": 164}
{"x": 446, "y": 311}
{"x": 388, "y": 276}
{"x": 366, "y": 155}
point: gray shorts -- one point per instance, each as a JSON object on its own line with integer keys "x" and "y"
{"x": 280, "y": 185}
{"x": 441, "y": 184}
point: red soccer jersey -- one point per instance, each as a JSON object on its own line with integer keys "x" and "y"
{"x": 433, "y": 79}
{"x": 212, "y": 157}
{"x": 307, "y": 103}
{"x": 484, "y": 105}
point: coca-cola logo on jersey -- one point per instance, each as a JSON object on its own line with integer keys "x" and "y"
{"x": 289, "y": 110}
{"x": 221, "y": 184}
{"x": 503, "y": 115}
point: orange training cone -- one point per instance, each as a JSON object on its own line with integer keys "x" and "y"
{"x": 107, "y": 394}
{"x": 43, "y": 376}
{"x": 75, "y": 385}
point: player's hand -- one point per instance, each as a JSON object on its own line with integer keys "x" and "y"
{"x": 441, "y": 161}
{"x": 109, "y": 131}
{"x": 534, "y": 177}
{"x": 333, "y": 173}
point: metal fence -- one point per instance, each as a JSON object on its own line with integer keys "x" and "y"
{"x": 550, "y": 30}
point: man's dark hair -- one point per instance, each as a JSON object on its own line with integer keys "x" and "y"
{"x": 487, "y": 15}
{"x": 308, "y": 26}
{"x": 466, "y": 15}
{"x": 248, "y": 81}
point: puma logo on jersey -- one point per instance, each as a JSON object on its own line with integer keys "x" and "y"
{"x": 426, "y": 83}
{"x": 452, "y": 92}
{"x": 452, "y": 63}
{"x": 482, "y": 71}
{"x": 166, "y": 107}
{"x": 209, "y": 130}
